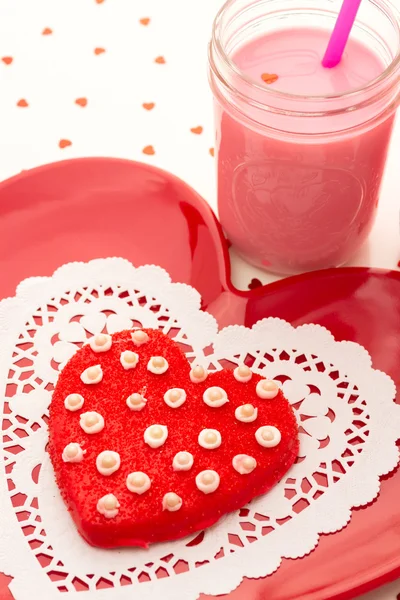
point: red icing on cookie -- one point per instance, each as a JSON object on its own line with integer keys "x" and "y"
{"x": 145, "y": 518}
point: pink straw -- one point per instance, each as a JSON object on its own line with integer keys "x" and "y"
{"x": 341, "y": 32}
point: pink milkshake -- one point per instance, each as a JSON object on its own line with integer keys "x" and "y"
{"x": 300, "y": 149}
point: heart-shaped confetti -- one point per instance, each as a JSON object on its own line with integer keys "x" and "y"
{"x": 160, "y": 60}
{"x": 148, "y": 150}
{"x": 148, "y": 105}
{"x": 22, "y": 103}
{"x": 269, "y": 78}
{"x": 47, "y": 31}
{"x": 98, "y": 51}
{"x": 64, "y": 143}
{"x": 197, "y": 130}
{"x": 146, "y": 448}
{"x": 144, "y": 21}
{"x": 81, "y": 102}
{"x": 7, "y": 60}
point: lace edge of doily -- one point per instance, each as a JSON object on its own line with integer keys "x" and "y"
{"x": 78, "y": 273}
{"x": 368, "y": 491}
{"x": 13, "y": 313}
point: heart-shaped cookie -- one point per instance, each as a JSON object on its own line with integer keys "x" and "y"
{"x": 146, "y": 449}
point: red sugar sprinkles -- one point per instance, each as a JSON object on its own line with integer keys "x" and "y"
{"x": 148, "y": 448}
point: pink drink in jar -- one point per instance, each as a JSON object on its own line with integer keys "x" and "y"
{"x": 300, "y": 159}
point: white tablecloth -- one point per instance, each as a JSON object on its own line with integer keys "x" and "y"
{"x": 128, "y": 78}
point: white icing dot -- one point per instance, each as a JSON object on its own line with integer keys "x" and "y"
{"x": 207, "y": 481}
{"x": 182, "y": 461}
{"x": 73, "y": 453}
{"x": 138, "y": 482}
{"x": 209, "y": 439}
{"x": 101, "y": 342}
{"x": 267, "y": 389}
{"x": 172, "y": 502}
{"x": 268, "y": 436}
{"x": 242, "y": 374}
{"x": 129, "y": 359}
{"x": 92, "y": 375}
{"x": 156, "y": 435}
{"x": 198, "y": 374}
{"x": 74, "y": 402}
{"x": 246, "y": 413}
{"x": 139, "y": 337}
{"x": 91, "y": 422}
{"x": 108, "y": 506}
{"x": 215, "y": 397}
{"x": 157, "y": 365}
{"x": 136, "y": 402}
{"x": 175, "y": 397}
{"x": 107, "y": 462}
{"x": 244, "y": 464}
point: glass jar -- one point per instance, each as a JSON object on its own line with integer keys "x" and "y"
{"x": 299, "y": 176}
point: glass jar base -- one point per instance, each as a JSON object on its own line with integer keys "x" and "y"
{"x": 286, "y": 270}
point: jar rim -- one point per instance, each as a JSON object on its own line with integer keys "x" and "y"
{"x": 392, "y": 13}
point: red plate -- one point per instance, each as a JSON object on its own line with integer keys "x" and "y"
{"x": 83, "y": 209}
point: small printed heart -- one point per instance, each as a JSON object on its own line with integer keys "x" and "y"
{"x": 211, "y": 151}
{"x": 47, "y": 31}
{"x": 81, "y": 102}
{"x": 22, "y": 103}
{"x": 148, "y": 150}
{"x": 98, "y": 51}
{"x": 197, "y": 130}
{"x": 148, "y": 105}
{"x": 64, "y": 143}
{"x": 7, "y": 60}
{"x": 99, "y": 1}
{"x": 160, "y": 60}
{"x": 145, "y": 21}
{"x": 269, "y": 78}
{"x": 127, "y": 441}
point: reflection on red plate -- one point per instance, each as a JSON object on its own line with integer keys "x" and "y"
{"x": 90, "y": 208}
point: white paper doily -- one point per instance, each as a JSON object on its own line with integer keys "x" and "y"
{"x": 348, "y": 428}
